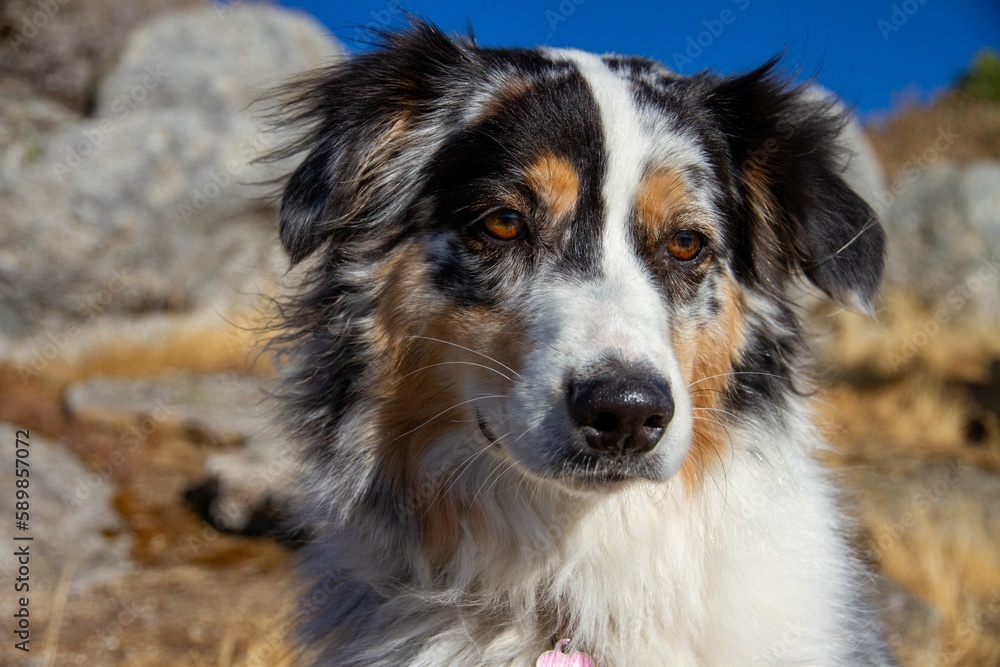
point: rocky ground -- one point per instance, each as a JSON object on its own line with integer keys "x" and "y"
{"x": 126, "y": 148}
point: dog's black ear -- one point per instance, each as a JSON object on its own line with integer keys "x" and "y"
{"x": 367, "y": 126}
{"x": 801, "y": 215}
{"x": 303, "y": 207}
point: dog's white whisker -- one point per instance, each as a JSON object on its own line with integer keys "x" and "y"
{"x": 456, "y": 363}
{"x": 467, "y": 349}
{"x": 738, "y": 374}
{"x": 728, "y": 413}
{"x": 465, "y": 465}
{"x": 447, "y": 410}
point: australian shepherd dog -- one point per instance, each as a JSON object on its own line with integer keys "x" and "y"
{"x": 546, "y": 361}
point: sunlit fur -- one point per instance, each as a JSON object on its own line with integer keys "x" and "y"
{"x": 459, "y": 516}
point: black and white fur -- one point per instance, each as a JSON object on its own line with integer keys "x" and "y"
{"x": 461, "y": 514}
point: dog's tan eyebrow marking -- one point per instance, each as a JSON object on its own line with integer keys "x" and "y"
{"x": 661, "y": 194}
{"x": 556, "y": 183}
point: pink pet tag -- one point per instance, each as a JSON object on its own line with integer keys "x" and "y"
{"x": 558, "y": 657}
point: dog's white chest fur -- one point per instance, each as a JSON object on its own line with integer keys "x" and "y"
{"x": 750, "y": 571}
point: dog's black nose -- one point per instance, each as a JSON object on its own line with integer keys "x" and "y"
{"x": 621, "y": 414}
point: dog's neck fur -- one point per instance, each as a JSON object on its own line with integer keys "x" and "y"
{"x": 627, "y": 575}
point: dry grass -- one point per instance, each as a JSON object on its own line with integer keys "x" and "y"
{"x": 894, "y": 388}
{"x": 931, "y": 532}
{"x": 906, "y": 139}
{"x": 203, "y": 342}
{"x": 905, "y": 339}
{"x": 915, "y": 414}
{"x": 900, "y": 416}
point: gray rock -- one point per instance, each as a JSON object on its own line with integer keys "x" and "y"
{"x": 156, "y": 212}
{"x": 25, "y": 121}
{"x": 71, "y": 519}
{"x": 156, "y": 203}
{"x": 227, "y": 408}
{"x": 57, "y": 47}
{"x": 216, "y": 59}
{"x": 944, "y": 242}
{"x": 249, "y": 491}
{"x": 864, "y": 173}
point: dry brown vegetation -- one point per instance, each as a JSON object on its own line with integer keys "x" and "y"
{"x": 199, "y": 597}
{"x": 917, "y": 431}
{"x": 922, "y": 458}
{"x": 900, "y": 141}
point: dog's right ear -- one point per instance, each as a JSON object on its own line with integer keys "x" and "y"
{"x": 303, "y": 208}
{"x": 369, "y": 129}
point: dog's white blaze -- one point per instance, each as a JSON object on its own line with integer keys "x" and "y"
{"x": 621, "y": 312}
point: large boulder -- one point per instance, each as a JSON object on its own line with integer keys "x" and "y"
{"x": 155, "y": 203}
{"x": 944, "y": 242}
{"x": 219, "y": 60}
{"x": 58, "y": 47}
{"x": 156, "y": 213}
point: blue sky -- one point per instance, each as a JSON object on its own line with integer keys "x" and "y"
{"x": 873, "y": 53}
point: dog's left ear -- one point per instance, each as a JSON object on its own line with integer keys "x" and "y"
{"x": 801, "y": 215}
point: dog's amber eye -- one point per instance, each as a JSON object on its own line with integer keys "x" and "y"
{"x": 685, "y": 245}
{"x": 505, "y": 225}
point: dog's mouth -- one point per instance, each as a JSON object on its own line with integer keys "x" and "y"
{"x": 486, "y": 430}
{"x": 584, "y": 469}
{"x": 600, "y": 470}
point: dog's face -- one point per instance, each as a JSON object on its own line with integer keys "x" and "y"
{"x": 581, "y": 260}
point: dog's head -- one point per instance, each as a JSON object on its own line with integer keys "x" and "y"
{"x": 583, "y": 260}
